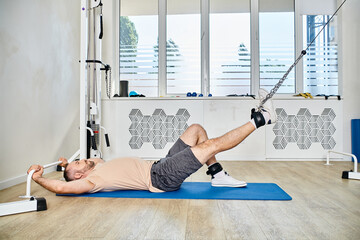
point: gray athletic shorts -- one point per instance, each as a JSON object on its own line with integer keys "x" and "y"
{"x": 170, "y": 172}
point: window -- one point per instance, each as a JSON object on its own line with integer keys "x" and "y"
{"x": 138, "y": 42}
{"x": 277, "y": 46}
{"x": 223, "y": 47}
{"x": 230, "y": 61}
{"x": 183, "y": 48}
{"x": 320, "y": 64}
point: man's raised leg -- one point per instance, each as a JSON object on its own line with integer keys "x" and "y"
{"x": 208, "y": 149}
{"x": 196, "y": 135}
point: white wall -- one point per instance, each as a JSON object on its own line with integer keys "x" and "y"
{"x": 350, "y": 65}
{"x": 39, "y": 82}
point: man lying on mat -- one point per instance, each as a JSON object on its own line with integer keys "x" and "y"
{"x": 186, "y": 156}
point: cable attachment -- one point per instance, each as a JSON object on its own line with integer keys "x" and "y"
{"x": 107, "y": 69}
{"x": 277, "y": 86}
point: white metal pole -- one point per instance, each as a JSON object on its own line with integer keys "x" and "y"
{"x": 28, "y": 184}
{"x": 116, "y": 47}
{"x": 103, "y": 128}
{"x": 346, "y": 154}
{"x": 83, "y": 78}
{"x": 90, "y": 130}
{"x": 72, "y": 158}
{"x": 328, "y": 159}
{"x": 52, "y": 164}
{"x": 29, "y": 177}
{"x": 99, "y": 78}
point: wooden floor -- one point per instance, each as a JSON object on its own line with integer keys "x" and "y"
{"x": 324, "y": 206}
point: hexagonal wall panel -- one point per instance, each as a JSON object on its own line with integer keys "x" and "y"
{"x": 158, "y": 128}
{"x": 304, "y": 129}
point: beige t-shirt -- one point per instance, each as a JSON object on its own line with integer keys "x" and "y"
{"x": 122, "y": 174}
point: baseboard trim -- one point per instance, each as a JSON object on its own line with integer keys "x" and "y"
{"x": 20, "y": 179}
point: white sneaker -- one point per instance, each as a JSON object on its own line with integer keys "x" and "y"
{"x": 222, "y": 179}
{"x": 268, "y": 106}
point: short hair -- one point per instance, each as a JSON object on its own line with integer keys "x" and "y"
{"x": 66, "y": 173}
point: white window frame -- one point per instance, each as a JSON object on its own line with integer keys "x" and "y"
{"x": 205, "y": 47}
{"x": 299, "y": 73}
{"x": 162, "y": 88}
{"x": 205, "y": 54}
{"x": 255, "y": 47}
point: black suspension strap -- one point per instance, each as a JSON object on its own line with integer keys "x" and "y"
{"x": 303, "y": 52}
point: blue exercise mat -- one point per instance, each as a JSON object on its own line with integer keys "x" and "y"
{"x": 202, "y": 190}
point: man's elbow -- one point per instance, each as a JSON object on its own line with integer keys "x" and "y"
{"x": 61, "y": 189}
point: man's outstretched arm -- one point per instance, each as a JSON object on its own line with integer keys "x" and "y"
{"x": 57, "y": 186}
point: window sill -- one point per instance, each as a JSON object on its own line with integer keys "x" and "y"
{"x": 280, "y": 97}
